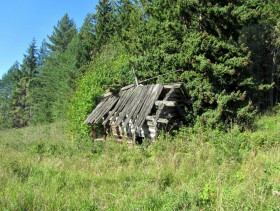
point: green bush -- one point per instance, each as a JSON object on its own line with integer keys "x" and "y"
{"x": 108, "y": 70}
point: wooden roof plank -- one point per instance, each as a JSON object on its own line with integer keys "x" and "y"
{"x": 103, "y": 107}
{"x": 123, "y": 100}
{"x": 100, "y": 109}
{"x": 145, "y": 105}
{"x": 162, "y": 120}
{"x": 136, "y": 103}
{"x": 149, "y": 105}
{"x": 147, "y": 90}
{"x": 115, "y": 108}
{"x": 123, "y": 95}
{"x": 128, "y": 107}
{"x": 107, "y": 108}
{"x": 128, "y": 87}
{"x": 90, "y": 117}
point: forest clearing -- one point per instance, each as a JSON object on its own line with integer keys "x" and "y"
{"x": 41, "y": 169}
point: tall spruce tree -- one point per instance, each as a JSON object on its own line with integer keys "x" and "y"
{"x": 62, "y": 35}
{"x": 43, "y": 53}
{"x": 87, "y": 38}
{"x": 7, "y": 84}
{"x": 60, "y": 67}
{"x": 105, "y": 22}
{"x": 21, "y": 103}
{"x": 130, "y": 23}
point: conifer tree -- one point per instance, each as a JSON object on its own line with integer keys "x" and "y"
{"x": 43, "y": 53}
{"x": 87, "y": 38}
{"x": 21, "y": 103}
{"x": 260, "y": 35}
{"x": 105, "y": 22}
{"x": 7, "y": 84}
{"x": 129, "y": 23}
{"x": 184, "y": 40}
{"x": 62, "y": 35}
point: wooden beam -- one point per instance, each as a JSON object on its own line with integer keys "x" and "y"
{"x": 150, "y": 118}
{"x": 166, "y": 103}
{"x": 161, "y": 120}
{"x": 170, "y": 86}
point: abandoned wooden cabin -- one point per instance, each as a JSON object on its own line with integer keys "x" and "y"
{"x": 138, "y": 112}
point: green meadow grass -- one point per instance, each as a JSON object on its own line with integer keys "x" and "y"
{"x": 41, "y": 168}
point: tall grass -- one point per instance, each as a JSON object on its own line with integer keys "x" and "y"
{"x": 41, "y": 169}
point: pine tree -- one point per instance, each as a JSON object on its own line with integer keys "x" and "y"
{"x": 63, "y": 33}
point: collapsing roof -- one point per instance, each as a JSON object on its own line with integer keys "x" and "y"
{"x": 133, "y": 107}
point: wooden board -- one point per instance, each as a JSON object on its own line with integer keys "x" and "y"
{"x": 136, "y": 104}
{"x": 146, "y": 109}
{"x": 166, "y": 103}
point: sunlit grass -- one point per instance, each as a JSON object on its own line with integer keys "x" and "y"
{"x": 42, "y": 169}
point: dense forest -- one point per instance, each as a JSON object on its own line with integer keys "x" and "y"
{"x": 227, "y": 53}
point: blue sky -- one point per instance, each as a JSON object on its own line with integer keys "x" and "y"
{"x": 21, "y": 20}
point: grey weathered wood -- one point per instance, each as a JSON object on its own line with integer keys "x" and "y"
{"x": 161, "y": 120}
{"x": 104, "y": 106}
{"x": 132, "y": 101}
{"x": 136, "y": 103}
{"x": 107, "y": 94}
{"x": 166, "y": 103}
{"x": 128, "y": 87}
{"x": 170, "y": 86}
{"x": 131, "y": 107}
{"x": 110, "y": 103}
{"x": 142, "y": 103}
{"x": 150, "y": 118}
{"x": 151, "y": 123}
{"x": 148, "y": 107}
{"x": 159, "y": 111}
{"x": 91, "y": 117}
{"x": 167, "y": 96}
{"x": 162, "y": 106}
{"x": 124, "y": 100}
{"x": 115, "y": 108}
